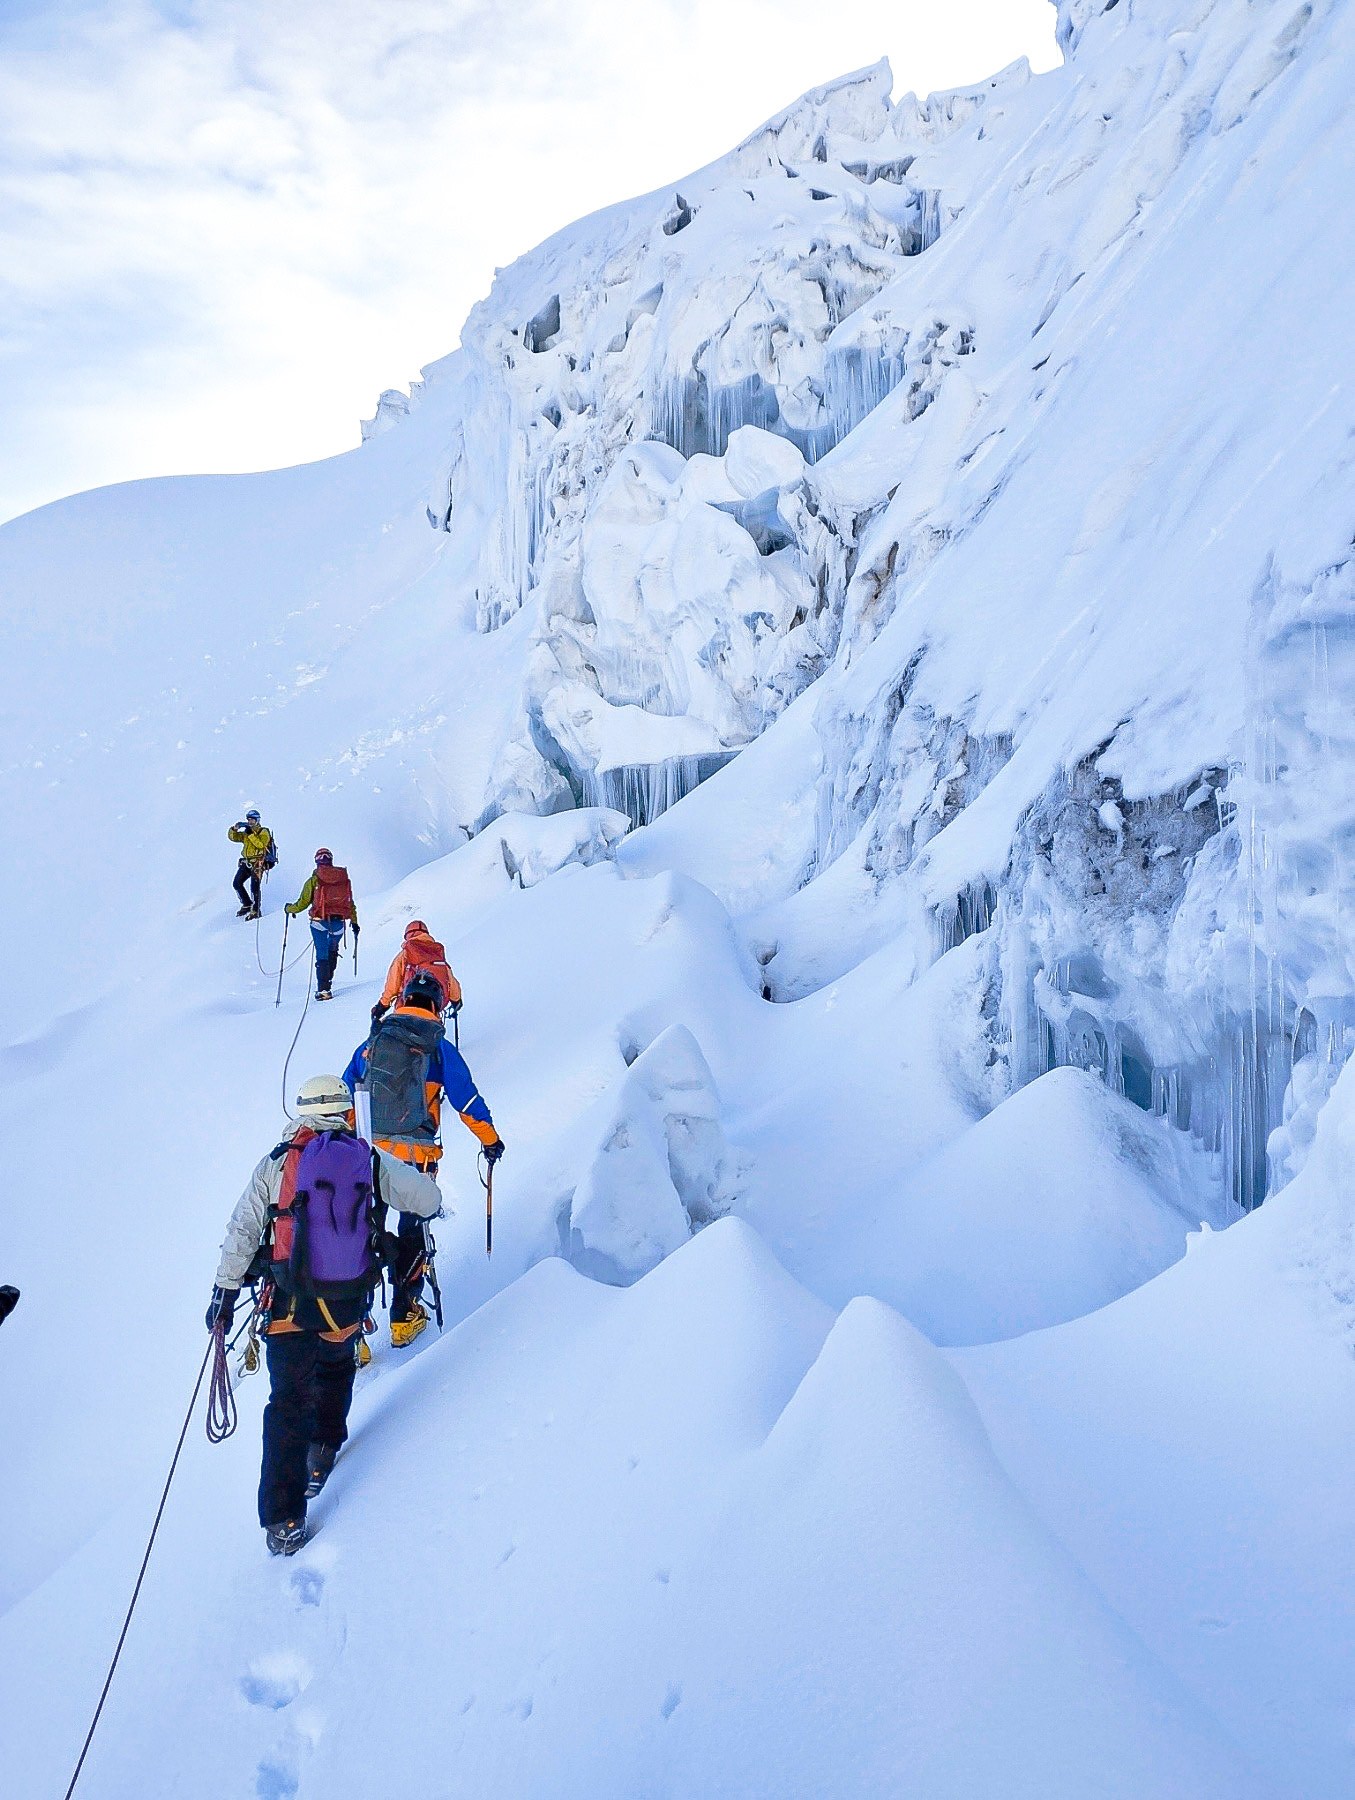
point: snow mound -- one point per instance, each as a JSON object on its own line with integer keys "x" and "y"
{"x": 1061, "y": 1200}
{"x": 917, "y": 1616}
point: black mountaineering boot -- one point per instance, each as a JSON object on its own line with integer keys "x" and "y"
{"x": 287, "y": 1537}
{"x": 319, "y": 1467}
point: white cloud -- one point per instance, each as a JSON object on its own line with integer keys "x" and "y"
{"x": 225, "y": 225}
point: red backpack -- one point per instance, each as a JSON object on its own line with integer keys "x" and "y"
{"x": 333, "y": 895}
{"x": 424, "y": 955}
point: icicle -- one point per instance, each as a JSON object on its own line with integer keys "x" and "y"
{"x": 645, "y": 790}
{"x": 697, "y": 419}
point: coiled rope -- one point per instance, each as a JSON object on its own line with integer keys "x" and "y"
{"x": 222, "y": 1417}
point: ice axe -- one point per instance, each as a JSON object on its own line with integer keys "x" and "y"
{"x": 431, "y": 1270}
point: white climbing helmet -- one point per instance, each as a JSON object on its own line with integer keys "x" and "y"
{"x": 323, "y": 1099}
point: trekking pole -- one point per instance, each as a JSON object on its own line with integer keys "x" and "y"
{"x": 282, "y": 960}
{"x": 456, "y": 1026}
{"x": 489, "y": 1208}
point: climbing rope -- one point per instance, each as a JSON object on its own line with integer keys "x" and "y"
{"x": 273, "y": 974}
{"x": 141, "y": 1573}
{"x": 222, "y": 1417}
{"x": 296, "y": 1035}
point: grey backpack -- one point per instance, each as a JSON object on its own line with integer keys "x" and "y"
{"x": 400, "y": 1053}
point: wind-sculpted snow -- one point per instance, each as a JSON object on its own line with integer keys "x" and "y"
{"x": 852, "y": 656}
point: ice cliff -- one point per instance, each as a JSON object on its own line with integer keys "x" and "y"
{"x": 967, "y": 444}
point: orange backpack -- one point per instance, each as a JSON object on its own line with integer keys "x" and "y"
{"x": 333, "y": 896}
{"x": 424, "y": 955}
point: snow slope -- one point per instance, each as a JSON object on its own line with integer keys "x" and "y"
{"x": 850, "y": 656}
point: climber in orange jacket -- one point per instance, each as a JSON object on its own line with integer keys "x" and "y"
{"x": 421, "y": 953}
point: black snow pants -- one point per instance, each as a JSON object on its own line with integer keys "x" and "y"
{"x": 312, "y": 1389}
{"x": 406, "y": 1260}
{"x": 247, "y": 878}
{"x": 408, "y": 1270}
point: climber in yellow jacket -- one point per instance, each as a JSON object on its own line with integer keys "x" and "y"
{"x": 258, "y": 853}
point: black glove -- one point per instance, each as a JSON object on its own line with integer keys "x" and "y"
{"x": 357, "y": 929}
{"x": 493, "y": 1152}
{"x": 455, "y": 1009}
{"x": 221, "y": 1311}
{"x": 378, "y": 1012}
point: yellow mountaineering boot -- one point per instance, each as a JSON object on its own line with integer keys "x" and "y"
{"x": 364, "y": 1353}
{"x": 404, "y": 1331}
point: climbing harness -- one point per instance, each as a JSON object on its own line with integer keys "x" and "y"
{"x": 145, "y": 1560}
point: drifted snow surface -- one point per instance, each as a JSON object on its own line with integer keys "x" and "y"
{"x": 852, "y": 657}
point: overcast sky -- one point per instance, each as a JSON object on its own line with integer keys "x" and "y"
{"x": 227, "y": 225}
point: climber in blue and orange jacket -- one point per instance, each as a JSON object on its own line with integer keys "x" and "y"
{"x": 406, "y": 1067}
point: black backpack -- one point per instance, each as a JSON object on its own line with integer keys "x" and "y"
{"x": 400, "y": 1054}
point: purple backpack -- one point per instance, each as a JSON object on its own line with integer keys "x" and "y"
{"x": 333, "y": 1255}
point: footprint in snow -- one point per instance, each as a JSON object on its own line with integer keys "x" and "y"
{"x": 275, "y": 1780}
{"x": 275, "y": 1681}
{"x": 308, "y": 1585}
{"x": 672, "y": 1699}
